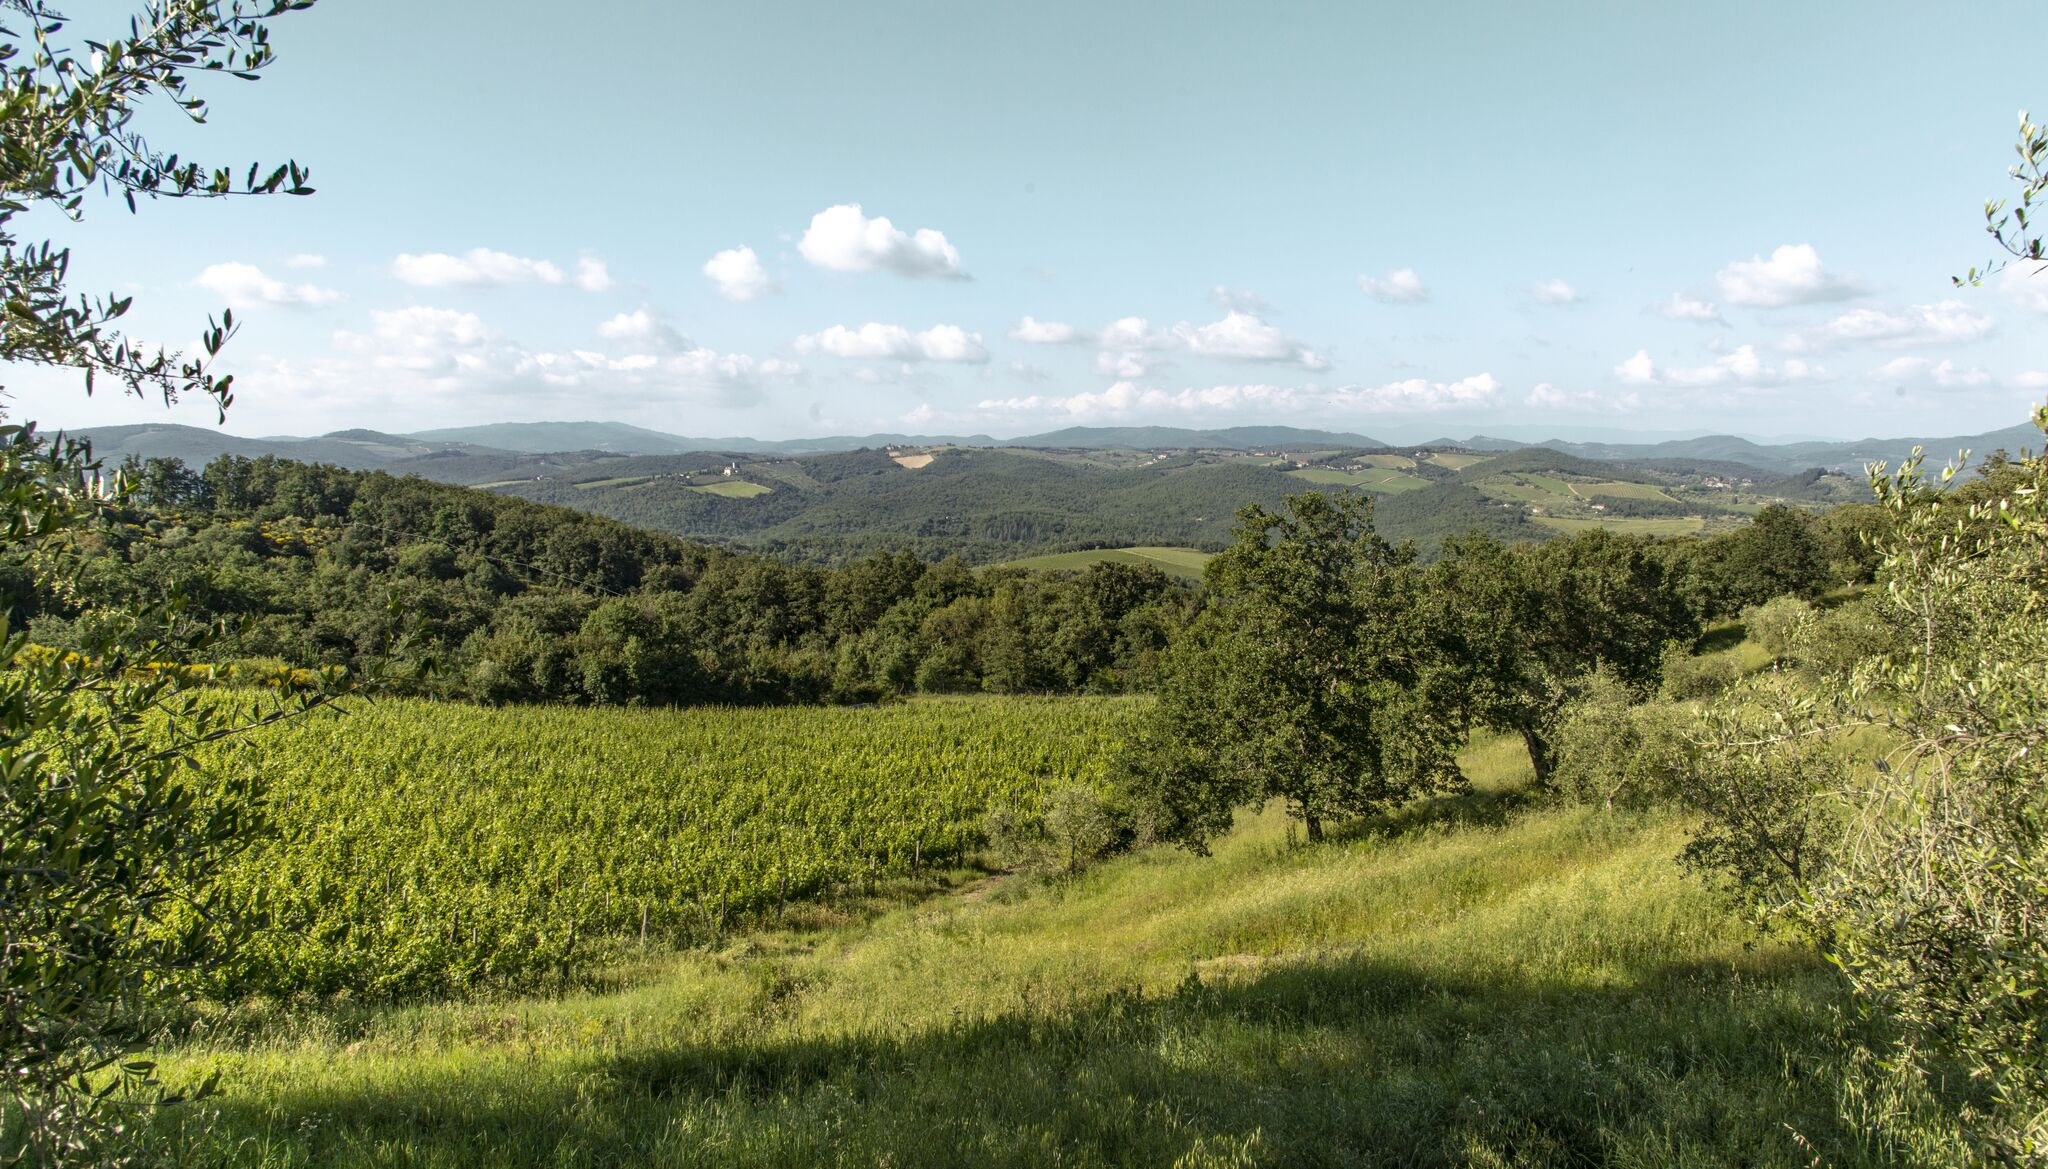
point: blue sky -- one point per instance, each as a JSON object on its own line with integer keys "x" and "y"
{"x": 1406, "y": 220}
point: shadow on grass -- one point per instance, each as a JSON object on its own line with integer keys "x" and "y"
{"x": 1726, "y": 635}
{"x": 1471, "y": 808}
{"x": 1343, "y": 1062}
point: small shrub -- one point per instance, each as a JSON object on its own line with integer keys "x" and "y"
{"x": 1615, "y": 753}
{"x": 1079, "y": 826}
{"x": 1781, "y": 626}
{"x": 1841, "y": 638}
{"x": 1768, "y": 790}
{"x": 1082, "y": 826}
{"x": 1687, "y": 677}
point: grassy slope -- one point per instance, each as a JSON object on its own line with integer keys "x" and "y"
{"x": 1475, "y": 983}
{"x": 1384, "y": 480}
{"x": 734, "y": 489}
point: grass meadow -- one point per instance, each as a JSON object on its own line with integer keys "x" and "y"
{"x": 1478, "y": 980}
{"x": 1383, "y": 480}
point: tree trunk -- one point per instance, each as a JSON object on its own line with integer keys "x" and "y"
{"x": 1539, "y": 755}
{"x": 1315, "y": 827}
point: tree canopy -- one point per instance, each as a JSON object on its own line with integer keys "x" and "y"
{"x": 1296, "y": 681}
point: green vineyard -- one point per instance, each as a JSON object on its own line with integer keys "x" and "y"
{"x": 426, "y": 848}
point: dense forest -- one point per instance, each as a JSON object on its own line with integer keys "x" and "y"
{"x": 509, "y": 600}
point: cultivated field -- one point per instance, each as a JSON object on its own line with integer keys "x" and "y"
{"x": 1387, "y": 480}
{"x": 438, "y": 847}
{"x": 734, "y": 489}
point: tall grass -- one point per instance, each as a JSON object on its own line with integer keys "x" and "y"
{"x": 1484, "y": 982}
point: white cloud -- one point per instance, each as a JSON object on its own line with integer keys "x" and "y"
{"x": 474, "y": 268}
{"x": 1423, "y": 394}
{"x": 435, "y": 342}
{"x": 1128, "y": 364}
{"x": 1944, "y": 374}
{"x": 2033, "y": 379}
{"x": 1555, "y": 292}
{"x": 1401, "y": 286}
{"x": 738, "y": 274}
{"x": 1638, "y": 370}
{"x": 1029, "y": 372}
{"x": 413, "y": 357}
{"x": 1237, "y": 300}
{"x": 1950, "y": 322}
{"x": 592, "y": 275}
{"x": 896, "y": 343}
{"x": 641, "y": 327}
{"x": 484, "y": 268}
{"x": 1240, "y": 336}
{"x": 845, "y": 240}
{"x": 1794, "y": 274}
{"x": 1134, "y": 333}
{"x": 2026, "y": 285}
{"x": 306, "y": 260}
{"x": 1549, "y": 397}
{"x": 1037, "y": 332}
{"x": 1126, "y": 399}
{"x": 245, "y": 285}
{"x": 1685, "y": 308}
{"x": 1740, "y": 367}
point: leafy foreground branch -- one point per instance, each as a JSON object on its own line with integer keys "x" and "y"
{"x": 110, "y": 835}
{"x": 1893, "y": 808}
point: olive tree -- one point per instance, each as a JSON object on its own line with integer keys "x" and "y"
{"x": 109, "y": 834}
{"x": 1896, "y": 810}
{"x": 68, "y": 119}
{"x": 2012, "y": 227}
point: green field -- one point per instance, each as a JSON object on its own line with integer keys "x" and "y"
{"x": 1619, "y": 490}
{"x": 1387, "y": 481}
{"x": 619, "y": 481}
{"x": 1185, "y": 563}
{"x": 1456, "y": 462}
{"x": 1534, "y": 488}
{"x": 1477, "y": 981}
{"x": 1402, "y": 462}
{"x": 791, "y": 473}
{"x": 1627, "y": 525}
{"x": 427, "y": 847}
{"x": 734, "y": 489}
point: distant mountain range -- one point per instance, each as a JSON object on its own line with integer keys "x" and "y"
{"x": 368, "y": 449}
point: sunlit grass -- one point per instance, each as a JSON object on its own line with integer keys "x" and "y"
{"x": 1481, "y": 980}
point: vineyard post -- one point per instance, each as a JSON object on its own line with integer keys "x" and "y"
{"x": 643, "y": 925}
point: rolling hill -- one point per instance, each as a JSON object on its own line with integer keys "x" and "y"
{"x": 1084, "y": 488}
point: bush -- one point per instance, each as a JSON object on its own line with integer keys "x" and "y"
{"x": 1687, "y": 677}
{"x": 1780, "y": 625}
{"x": 1078, "y": 826}
{"x": 1924, "y": 876}
{"x": 1613, "y": 752}
{"x": 1768, "y": 789}
{"x": 1847, "y": 635}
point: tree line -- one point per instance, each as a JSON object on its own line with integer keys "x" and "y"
{"x": 487, "y": 597}
{"x": 496, "y": 599}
